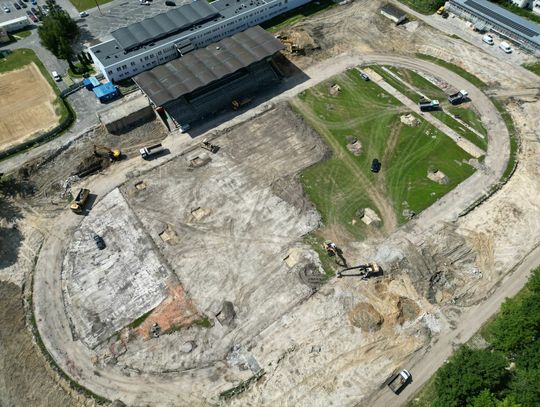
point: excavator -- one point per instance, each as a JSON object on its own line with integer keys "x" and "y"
{"x": 113, "y": 154}
{"x": 362, "y": 270}
{"x": 209, "y": 146}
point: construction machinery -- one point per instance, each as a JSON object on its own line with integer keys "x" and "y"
{"x": 77, "y": 205}
{"x": 458, "y": 97}
{"x": 363, "y": 271}
{"x": 209, "y": 146}
{"x": 238, "y": 103}
{"x": 427, "y": 105}
{"x": 147, "y": 152}
{"x": 113, "y": 154}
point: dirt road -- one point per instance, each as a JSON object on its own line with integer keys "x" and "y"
{"x": 111, "y": 381}
{"x": 425, "y": 364}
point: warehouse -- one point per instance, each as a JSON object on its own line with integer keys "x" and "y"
{"x": 207, "y": 80}
{"x": 15, "y": 25}
{"x": 157, "y": 40}
{"x": 500, "y": 21}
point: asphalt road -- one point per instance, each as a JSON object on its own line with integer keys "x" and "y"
{"x": 75, "y": 359}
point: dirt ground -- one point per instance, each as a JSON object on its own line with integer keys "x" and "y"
{"x": 25, "y": 379}
{"x": 332, "y": 347}
{"x": 27, "y": 105}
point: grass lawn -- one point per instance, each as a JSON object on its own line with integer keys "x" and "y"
{"x": 535, "y": 67}
{"x": 83, "y": 5}
{"x": 21, "y": 34}
{"x": 293, "y": 16}
{"x": 424, "y": 6}
{"x": 456, "y": 69}
{"x": 470, "y": 117}
{"x": 344, "y": 183}
{"x": 434, "y": 92}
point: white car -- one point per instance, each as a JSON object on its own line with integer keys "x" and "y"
{"x": 56, "y": 77}
{"x": 505, "y": 47}
{"x": 6, "y": 9}
{"x": 488, "y": 39}
{"x": 83, "y": 14}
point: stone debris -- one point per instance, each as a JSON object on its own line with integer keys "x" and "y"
{"x": 409, "y": 120}
{"x": 438, "y": 176}
{"x": 369, "y": 217}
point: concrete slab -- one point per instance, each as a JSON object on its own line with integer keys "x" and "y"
{"x": 104, "y": 290}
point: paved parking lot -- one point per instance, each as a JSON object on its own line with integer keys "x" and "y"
{"x": 13, "y": 12}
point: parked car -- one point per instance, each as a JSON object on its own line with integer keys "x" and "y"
{"x": 364, "y": 76}
{"x": 170, "y": 3}
{"x": 375, "y": 165}
{"x": 31, "y": 16}
{"x": 22, "y": 4}
{"x": 16, "y": 5}
{"x": 6, "y": 9}
{"x": 45, "y": 9}
{"x": 488, "y": 39}
{"x": 56, "y": 77}
{"x": 505, "y": 47}
{"x": 83, "y": 14}
{"x": 100, "y": 243}
{"x": 34, "y": 2}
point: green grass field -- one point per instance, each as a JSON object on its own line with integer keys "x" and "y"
{"x": 432, "y": 91}
{"x": 534, "y": 67}
{"x": 424, "y": 6}
{"x": 83, "y": 5}
{"x": 344, "y": 183}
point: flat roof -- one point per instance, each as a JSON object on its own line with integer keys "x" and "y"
{"x": 393, "y": 11}
{"x": 165, "y": 24}
{"x": 112, "y": 51}
{"x": 14, "y": 20}
{"x": 201, "y": 67}
{"x": 503, "y": 18}
{"x": 104, "y": 90}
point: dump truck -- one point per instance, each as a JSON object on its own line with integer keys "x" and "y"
{"x": 458, "y": 97}
{"x": 77, "y": 205}
{"x": 113, "y": 154}
{"x": 427, "y": 105}
{"x": 238, "y": 103}
{"x": 399, "y": 381}
{"x": 147, "y": 152}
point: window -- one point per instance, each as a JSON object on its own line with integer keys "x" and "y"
{"x": 159, "y": 53}
{"x": 146, "y": 58}
{"x": 133, "y": 64}
{"x": 124, "y": 66}
{"x": 109, "y": 72}
{"x": 118, "y": 69}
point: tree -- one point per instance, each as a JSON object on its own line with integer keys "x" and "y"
{"x": 484, "y": 399}
{"x": 467, "y": 374}
{"x": 57, "y": 32}
{"x": 525, "y": 387}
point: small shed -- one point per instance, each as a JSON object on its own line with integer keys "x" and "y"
{"x": 393, "y": 13}
{"x": 91, "y": 83}
{"x": 106, "y": 92}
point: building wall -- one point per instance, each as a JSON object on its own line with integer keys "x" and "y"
{"x": 133, "y": 65}
{"x": 521, "y": 3}
{"x": 4, "y": 37}
{"x": 15, "y": 24}
{"x": 493, "y": 26}
{"x": 536, "y": 6}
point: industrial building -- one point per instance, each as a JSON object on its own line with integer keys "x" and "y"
{"x": 490, "y": 17}
{"x": 534, "y": 5}
{"x": 160, "y": 39}
{"x": 393, "y": 13}
{"x": 207, "y": 80}
{"x": 15, "y": 25}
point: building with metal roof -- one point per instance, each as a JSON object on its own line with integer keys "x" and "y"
{"x": 499, "y": 20}
{"x": 160, "y": 39}
{"x": 208, "y": 79}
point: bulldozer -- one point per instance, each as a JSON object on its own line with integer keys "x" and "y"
{"x": 113, "y": 154}
{"x": 362, "y": 270}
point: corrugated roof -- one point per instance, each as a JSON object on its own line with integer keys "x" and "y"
{"x": 504, "y": 18}
{"x": 164, "y": 24}
{"x": 201, "y": 67}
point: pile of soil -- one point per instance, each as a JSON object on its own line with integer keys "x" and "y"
{"x": 365, "y": 317}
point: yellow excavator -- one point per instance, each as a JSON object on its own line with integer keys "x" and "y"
{"x": 113, "y": 154}
{"x": 363, "y": 271}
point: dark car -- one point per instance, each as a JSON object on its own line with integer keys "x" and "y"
{"x": 170, "y": 3}
{"x": 22, "y": 4}
{"x": 375, "y": 165}
{"x": 364, "y": 76}
{"x": 16, "y": 5}
{"x": 100, "y": 243}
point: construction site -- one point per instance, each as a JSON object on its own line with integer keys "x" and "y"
{"x": 266, "y": 259}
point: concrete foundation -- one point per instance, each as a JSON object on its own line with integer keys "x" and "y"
{"x": 134, "y": 111}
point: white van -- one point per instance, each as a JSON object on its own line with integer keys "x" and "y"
{"x": 488, "y": 39}
{"x": 505, "y": 47}
{"x": 56, "y": 77}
